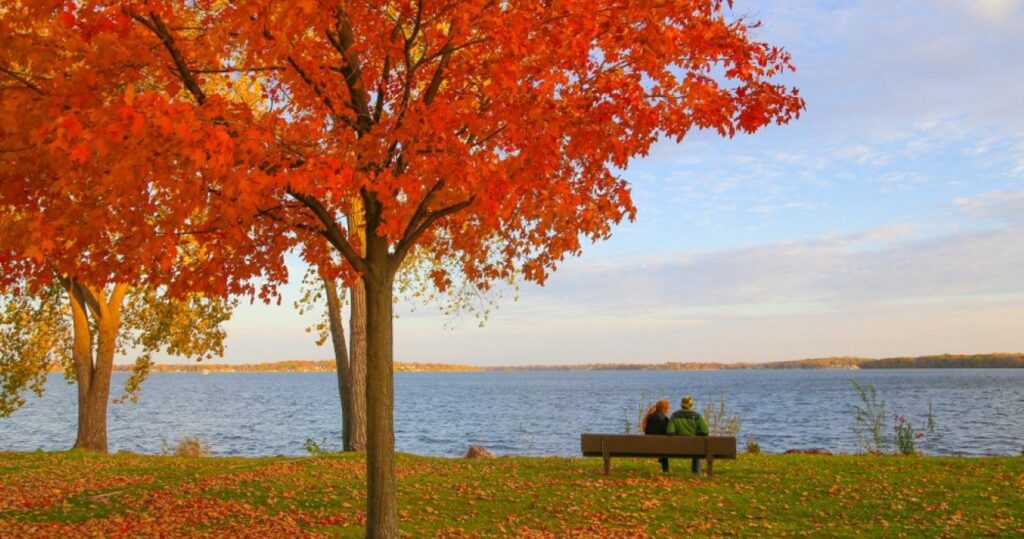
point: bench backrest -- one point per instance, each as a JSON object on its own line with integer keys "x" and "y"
{"x": 639, "y": 445}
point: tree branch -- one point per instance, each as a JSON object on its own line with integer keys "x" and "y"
{"x": 156, "y": 25}
{"x": 474, "y": 142}
{"x": 22, "y": 79}
{"x": 89, "y": 299}
{"x": 82, "y": 346}
{"x": 331, "y": 230}
{"x": 233, "y": 69}
{"x": 438, "y": 77}
{"x": 116, "y": 298}
{"x": 378, "y": 108}
{"x": 15, "y": 150}
{"x": 317, "y": 89}
{"x": 451, "y": 49}
{"x": 421, "y": 211}
{"x": 412, "y": 234}
{"x": 342, "y": 39}
{"x": 417, "y": 24}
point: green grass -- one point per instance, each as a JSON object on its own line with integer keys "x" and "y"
{"x": 78, "y": 494}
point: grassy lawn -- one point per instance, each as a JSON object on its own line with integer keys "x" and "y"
{"x": 75, "y": 495}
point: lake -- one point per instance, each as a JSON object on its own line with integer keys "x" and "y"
{"x": 977, "y": 411}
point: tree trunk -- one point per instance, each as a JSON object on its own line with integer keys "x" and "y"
{"x": 92, "y": 430}
{"x": 341, "y": 361}
{"x": 92, "y": 403}
{"x": 382, "y": 506}
{"x": 357, "y": 335}
{"x": 93, "y": 373}
{"x": 357, "y": 365}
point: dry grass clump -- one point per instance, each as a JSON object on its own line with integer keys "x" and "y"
{"x": 189, "y": 446}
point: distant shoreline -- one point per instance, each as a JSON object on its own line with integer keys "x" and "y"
{"x": 945, "y": 361}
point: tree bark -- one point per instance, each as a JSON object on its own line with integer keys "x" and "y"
{"x": 341, "y": 361}
{"x": 92, "y": 410}
{"x": 382, "y": 506}
{"x": 350, "y": 362}
{"x": 357, "y": 334}
{"x": 357, "y": 365}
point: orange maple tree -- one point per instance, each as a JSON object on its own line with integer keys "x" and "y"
{"x": 80, "y": 215}
{"x": 490, "y": 131}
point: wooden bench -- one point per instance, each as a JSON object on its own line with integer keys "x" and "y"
{"x": 640, "y": 445}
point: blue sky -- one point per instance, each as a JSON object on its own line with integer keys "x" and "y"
{"x": 887, "y": 221}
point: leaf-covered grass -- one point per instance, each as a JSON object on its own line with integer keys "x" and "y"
{"x": 77, "y": 494}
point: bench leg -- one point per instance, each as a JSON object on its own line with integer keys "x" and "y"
{"x": 607, "y": 465}
{"x": 606, "y": 456}
{"x": 711, "y": 465}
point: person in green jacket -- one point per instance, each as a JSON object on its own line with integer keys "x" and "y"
{"x": 686, "y": 422}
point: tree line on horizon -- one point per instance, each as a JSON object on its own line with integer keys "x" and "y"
{"x": 169, "y": 155}
{"x": 997, "y": 360}
{"x": 951, "y": 361}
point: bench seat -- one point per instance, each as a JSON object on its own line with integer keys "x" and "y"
{"x": 641, "y": 445}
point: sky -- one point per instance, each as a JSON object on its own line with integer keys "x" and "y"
{"x": 886, "y": 221}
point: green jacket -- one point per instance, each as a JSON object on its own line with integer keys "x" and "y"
{"x": 687, "y": 423}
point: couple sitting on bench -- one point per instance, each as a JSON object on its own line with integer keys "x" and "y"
{"x": 684, "y": 422}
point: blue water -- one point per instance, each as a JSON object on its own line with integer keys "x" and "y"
{"x": 977, "y": 411}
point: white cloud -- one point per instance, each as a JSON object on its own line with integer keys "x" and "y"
{"x": 891, "y": 264}
{"x": 891, "y": 232}
{"x": 996, "y": 13}
{"x": 997, "y": 205}
{"x": 861, "y": 154}
{"x": 772, "y": 208}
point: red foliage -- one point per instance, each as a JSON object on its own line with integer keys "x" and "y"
{"x": 492, "y": 130}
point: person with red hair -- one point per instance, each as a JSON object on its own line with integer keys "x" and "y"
{"x": 655, "y": 422}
